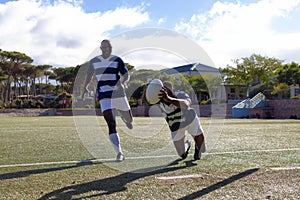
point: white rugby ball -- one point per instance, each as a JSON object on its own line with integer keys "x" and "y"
{"x": 153, "y": 90}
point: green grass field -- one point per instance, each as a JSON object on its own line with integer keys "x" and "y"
{"x": 48, "y": 158}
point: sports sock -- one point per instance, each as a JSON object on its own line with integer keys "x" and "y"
{"x": 115, "y": 141}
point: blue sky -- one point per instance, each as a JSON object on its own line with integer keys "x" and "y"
{"x": 66, "y": 32}
{"x": 170, "y": 11}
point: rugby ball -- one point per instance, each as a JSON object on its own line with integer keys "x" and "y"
{"x": 153, "y": 91}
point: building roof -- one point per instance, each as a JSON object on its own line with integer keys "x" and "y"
{"x": 191, "y": 69}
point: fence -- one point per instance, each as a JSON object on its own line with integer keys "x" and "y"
{"x": 278, "y": 109}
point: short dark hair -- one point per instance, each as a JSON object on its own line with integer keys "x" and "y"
{"x": 168, "y": 85}
{"x": 105, "y": 41}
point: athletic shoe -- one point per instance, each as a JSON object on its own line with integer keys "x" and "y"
{"x": 197, "y": 154}
{"x": 187, "y": 146}
{"x": 128, "y": 124}
{"x": 120, "y": 157}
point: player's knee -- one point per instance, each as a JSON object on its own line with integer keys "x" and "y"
{"x": 127, "y": 116}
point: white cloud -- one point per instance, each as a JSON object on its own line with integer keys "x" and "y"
{"x": 60, "y": 34}
{"x": 158, "y": 47}
{"x": 234, "y": 30}
{"x": 161, "y": 20}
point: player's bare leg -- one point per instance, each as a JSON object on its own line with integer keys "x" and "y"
{"x": 110, "y": 119}
{"x": 199, "y": 146}
{"x": 127, "y": 118}
{"x": 182, "y": 147}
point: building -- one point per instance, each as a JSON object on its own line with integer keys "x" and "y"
{"x": 192, "y": 69}
{"x": 222, "y": 92}
{"x": 294, "y": 90}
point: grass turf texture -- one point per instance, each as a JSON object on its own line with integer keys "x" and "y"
{"x": 238, "y": 167}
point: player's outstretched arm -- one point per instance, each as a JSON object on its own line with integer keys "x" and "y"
{"x": 144, "y": 99}
{"x": 180, "y": 103}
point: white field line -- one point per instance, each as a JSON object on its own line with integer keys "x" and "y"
{"x": 285, "y": 168}
{"x": 141, "y": 157}
{"x": 179, "y": 177}
{"x": 252, "y": 151}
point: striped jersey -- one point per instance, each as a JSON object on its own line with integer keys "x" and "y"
{"x": 108, "y": 72}
{"x": 176, "y": 117}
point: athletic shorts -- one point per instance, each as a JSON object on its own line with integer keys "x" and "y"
{"x": 194, "y": 128}
{"x": 120, "y": 103}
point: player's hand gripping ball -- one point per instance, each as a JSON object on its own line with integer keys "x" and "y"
{"x": 153, "y": 91}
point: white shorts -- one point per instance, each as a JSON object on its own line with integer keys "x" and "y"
{"x": 120, "y": 103}
{"x": 194, "y": 128}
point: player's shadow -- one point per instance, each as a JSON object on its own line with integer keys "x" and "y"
{"x": 111, "y": 185}
{"x": 26, "y": 173}
{"x": 219, "y": 185}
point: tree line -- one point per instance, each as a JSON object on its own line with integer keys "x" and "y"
{"x": 18, "y": 76}
{"x": 271, "y": 73}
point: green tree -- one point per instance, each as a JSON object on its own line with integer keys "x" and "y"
{"x": 179, "y": 81}
{"x": 142, "y": 74}
{"x": 253, "y": 70}
{"x": 66, "y": 77}
{"x": 197, "y": 82}
{"x": 41, "y": 71}
{"x": 10, "y": 63}
{"x": 3, "y": 78}
{"x": 135, "y": 90}
{"x": 129, "y": 67}
{"x": 289, "y": 74}
{"x": 28, "y": 75}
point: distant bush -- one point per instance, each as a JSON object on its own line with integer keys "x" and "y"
{"x": 19, "y": 103}
{"x": 293, "y": 117}
{"x": 296, "y": 97}
{"x": 39, "y": 104}
{"x": 204, "y": 102}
